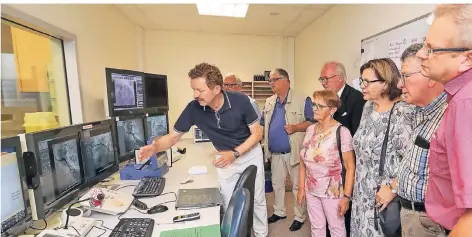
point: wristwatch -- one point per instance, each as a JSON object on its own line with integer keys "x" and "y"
{"x": 348, "y": 197}
{"x": 236, "y": 153}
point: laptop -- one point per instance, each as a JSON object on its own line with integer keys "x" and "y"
{"x": 198, "y": 198}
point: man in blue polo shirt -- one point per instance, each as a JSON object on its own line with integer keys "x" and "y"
{"x": 286, "y": 116}
{"x": 232, "y": 125}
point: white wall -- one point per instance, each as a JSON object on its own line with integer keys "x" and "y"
{"x": 104, "y": 38}
{"x": 337, "y": 36}
{"x": 174, "y": 53}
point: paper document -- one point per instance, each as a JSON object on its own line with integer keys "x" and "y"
{"x": 202, "y": 231}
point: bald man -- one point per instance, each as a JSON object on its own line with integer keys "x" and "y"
{"x": 233, "y": 83}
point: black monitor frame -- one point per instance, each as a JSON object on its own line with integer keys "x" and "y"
{"x": 111, "y": 93}
{"x": 146, "y": 133}
{"x": 16, "y": 143}
{"x": 147, "y": 78}
{"x": 55, "y": 141}
{"x": 130, "y": 155}
{"x": 91, "y": 180}
{"x": 32, "y": 140}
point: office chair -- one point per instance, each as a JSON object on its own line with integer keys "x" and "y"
{"x": 234, "y": 222}
{"x": 248, "y": 180}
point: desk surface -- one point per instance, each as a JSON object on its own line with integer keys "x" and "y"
{"x": 197, "y": 154}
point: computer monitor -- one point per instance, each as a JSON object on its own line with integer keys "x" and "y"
{"x": 13, "y": 183}
{"x": 155, "y": 91}
{"x": 66, "y": 163}
{"x": 99, "y": 151}
{"x": 156, "y": 125}
{"x": 130, "y": 131}
{"x": 125, "y": 92}
{"x": 60, "y": 168}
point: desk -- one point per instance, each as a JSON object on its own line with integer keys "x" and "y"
{"x": 197, "y": 154}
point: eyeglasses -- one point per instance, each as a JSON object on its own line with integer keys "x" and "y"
{"x": 272, "y": 80}
{"x": 366, "y": 83}
{"x": 230, "y": 84}
{"x": 406, "y": 75}
{"x": 428, "y": 50}
{"x": 318, "y": 106}
{"x": 324, "y": 80}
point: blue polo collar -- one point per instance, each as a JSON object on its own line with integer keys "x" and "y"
{"x": 226, "y": 104}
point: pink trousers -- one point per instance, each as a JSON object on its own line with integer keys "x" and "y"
{"x": 320, "y": 209}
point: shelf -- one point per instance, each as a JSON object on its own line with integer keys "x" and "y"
{"x": 259, "y": 90}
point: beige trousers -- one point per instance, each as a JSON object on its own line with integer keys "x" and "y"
{"x": 280, "y": 166}
{"x": 418, "y": 224}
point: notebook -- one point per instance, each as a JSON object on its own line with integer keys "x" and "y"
{"x": 201, "y": 231}
{"x": 198, "y": 198}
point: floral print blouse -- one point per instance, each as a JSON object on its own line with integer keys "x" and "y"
{"x": 323, "y": 165}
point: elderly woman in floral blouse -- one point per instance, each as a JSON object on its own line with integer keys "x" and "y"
{"x": 320, "y": 177}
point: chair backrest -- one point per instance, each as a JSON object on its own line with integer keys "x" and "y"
{"x": 234, "y": 222}
{"x": 248, "y": 180}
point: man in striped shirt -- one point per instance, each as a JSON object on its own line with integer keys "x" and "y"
{"x": 413, "y": 172}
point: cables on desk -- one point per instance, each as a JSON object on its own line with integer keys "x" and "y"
{"x": 104, "y": 231}
{"x": 175, "y": 195}
{"x": 130, "y": 185}
{"x": 45, "y": 226}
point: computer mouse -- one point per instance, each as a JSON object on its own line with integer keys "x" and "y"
{"x": 157, "y": 209}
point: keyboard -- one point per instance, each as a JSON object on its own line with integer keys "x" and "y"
{"x": 150, "y": 187}
{"x": 133, "y": 227}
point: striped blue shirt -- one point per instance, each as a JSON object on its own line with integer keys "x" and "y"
{"x": 414, "y": 169}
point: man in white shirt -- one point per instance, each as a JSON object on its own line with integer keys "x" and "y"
{"x": 233, "y": 83}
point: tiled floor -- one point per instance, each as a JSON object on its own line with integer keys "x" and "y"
{"x": 280, "y": 228}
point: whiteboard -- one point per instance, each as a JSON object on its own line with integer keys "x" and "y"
{"x": 392, "y": 42}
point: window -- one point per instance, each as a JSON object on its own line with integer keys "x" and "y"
{"x": 34, "y": 94}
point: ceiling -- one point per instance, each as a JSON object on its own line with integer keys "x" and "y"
{"x": 261, "y": 19}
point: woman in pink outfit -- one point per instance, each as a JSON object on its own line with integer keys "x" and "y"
{"x": 320, "y": 180}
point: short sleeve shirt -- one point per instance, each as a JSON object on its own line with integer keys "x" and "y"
{"x": 228, "y": 127}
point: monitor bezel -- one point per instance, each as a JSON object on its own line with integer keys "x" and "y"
{"x": 111, "y": 92}
{"x": 32, "y": 145}
{"x": 15, "y": 142}
{"x": 152, "y": 76}
{"x": 130, "y": 155}
{"x": 110, "y": 170}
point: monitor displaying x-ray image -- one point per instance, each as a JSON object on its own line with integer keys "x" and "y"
{"x": 99, "y": 149}
{"x": 156, "y": 126}
{"x": 130, "y": 135}
{"x": 66, "y": 163}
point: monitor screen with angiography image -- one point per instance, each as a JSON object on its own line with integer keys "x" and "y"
{"x": 66, "y": 163}
{"x": 99, "y": 150}
{"x": 59, "y": 161}
{"x": 130, "y": 136}
{"x": 12, "y": 180}
{"x": 125, "y": 92}
{"x": 156, "y": 126}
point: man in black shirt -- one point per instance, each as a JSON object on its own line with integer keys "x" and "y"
{"x": 232, "y": 125}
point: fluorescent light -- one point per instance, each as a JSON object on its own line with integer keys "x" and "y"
{"x": 238, "y": 10}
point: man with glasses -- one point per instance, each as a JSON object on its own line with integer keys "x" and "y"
{"x": 233, "y": 83}
{"x": 286, "y": 116}
{"x": 232, "y": 125}
{"x": 333, "y": 78}
{"x": 413, "y": 173}
{"x": 446, "y": 57}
